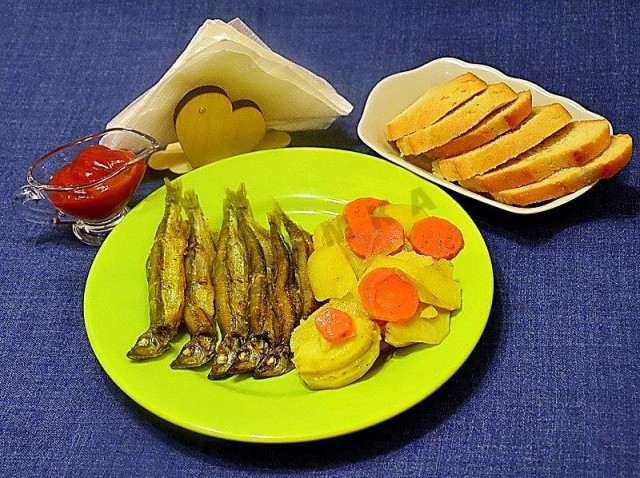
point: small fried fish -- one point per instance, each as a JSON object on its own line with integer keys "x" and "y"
{"x": 165, "y": 278}
{"x": 199, "y": 309}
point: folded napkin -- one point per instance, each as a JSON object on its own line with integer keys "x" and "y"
{"x": 231, "y": 56}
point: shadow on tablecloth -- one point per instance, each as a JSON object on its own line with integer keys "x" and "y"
{"x": 609, "y": 199}
{"x": 380, "y": 439}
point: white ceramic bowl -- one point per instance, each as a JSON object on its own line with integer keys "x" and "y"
{"x": 394, "y": 93}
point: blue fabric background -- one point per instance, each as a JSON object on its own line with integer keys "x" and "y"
{"x": 551, "y": 389}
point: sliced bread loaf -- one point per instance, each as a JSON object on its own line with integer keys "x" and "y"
{"x": 542, "y": 123}
{"x": 573, "y": 145}
{"x": 494, "y": 125}
{"x": 458, "y": 121}
{"x": 566, "y": 181}
{"x": 436, "y": 102}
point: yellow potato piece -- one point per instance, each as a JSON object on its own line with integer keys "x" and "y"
{"x": 445, "y": 267}
{"x": 345, "y": 375}
{"x": 358, "y": 264}
{"x": 429, "y": 326}
{"x": 329, "y": 232}
{"x": 330, "y": 272}
{"x": 405, "y": 214}
{"x": 442, "y": 290}
{"x": 322, "y": 364}
{"x": 210, "y": 127}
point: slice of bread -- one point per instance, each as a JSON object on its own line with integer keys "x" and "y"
{"x": 494, "y": 125}
{"x": 566, "y": 181}
{"x": 420, "y": 160}
{"x": 436, "y": 102}
{"x": 458, "y": 121}
{"x": 574, "y": 145}
{"x": 543, "y": 122}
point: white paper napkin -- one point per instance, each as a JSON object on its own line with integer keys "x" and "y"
{"x": 231, "y": 56}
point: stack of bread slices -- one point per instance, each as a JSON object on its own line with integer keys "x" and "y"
{"x": 490, "y": 139}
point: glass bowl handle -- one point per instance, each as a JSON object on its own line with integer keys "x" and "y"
{"x": 32, "y": 204}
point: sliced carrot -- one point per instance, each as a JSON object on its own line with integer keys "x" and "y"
{"x": 388, "y": 294}
{"x": 362, "y": 207}
{"x": 367, "y": 236}
{"x": 436, "y": 237}
{"x": 335, "y": 325}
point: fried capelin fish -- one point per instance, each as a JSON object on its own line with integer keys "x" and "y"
{"x": 301, "y": 249}
{"x": 231, "y": 282}
{"x": 199, "y": 311}
{"x": 278, "y": 360}
{"x": 260, "y": 312}
{"x": 165, "y": 278}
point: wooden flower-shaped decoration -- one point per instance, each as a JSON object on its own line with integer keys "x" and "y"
{"x": 210, "y": 127}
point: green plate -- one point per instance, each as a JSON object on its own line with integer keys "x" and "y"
{"x": 311, "y": 185}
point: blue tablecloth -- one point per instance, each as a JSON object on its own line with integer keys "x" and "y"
{"x": 551, "y": 389}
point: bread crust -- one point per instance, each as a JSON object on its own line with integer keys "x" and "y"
{"x": 574, "y": 145}
{"x": 543, "y": 122}
{"x": 563, "y": 182}
{"x": 458, "y": 121}
{"x": 436, "y": 102}
{"x": 496, "y": 124}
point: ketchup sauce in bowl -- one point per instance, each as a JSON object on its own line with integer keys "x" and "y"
{"x": 86, "y": 183}
{"x": 107, "y": 198}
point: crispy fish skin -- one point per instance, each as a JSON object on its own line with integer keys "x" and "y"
{"x": 301, "y": 249}
{"x": 199, "y": 309}
{"x": 166, "y": 279}
{"x": 251, "y": 351}
{"x": 269, "y": 323}
{"x": 278, "y": 361}
{"x": 238, "y": 264}
{"x": 231, "y": 276}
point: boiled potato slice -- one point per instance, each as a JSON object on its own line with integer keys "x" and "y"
{"x": 429, "y": 326}
{"x": 445, "y": 267}
{"x": 442, "y": 290}
{"x": 330, "y": 272}
{"x": 322, "y": 364}
{"x": 405, "y": 214}
{"x": 358, "y": 264}
{"x": 329, "y": 232}
{"x": 343, "y": 376}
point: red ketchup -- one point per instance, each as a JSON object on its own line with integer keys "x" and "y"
{"x": 105, "y": 200}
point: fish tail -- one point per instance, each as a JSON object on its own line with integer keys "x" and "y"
{"x": 198, "y": 351}
{"x": 174, "y": 191}
{"x": 190, "y": 200}
{"x": 277, "y": 362}
{"x": 153, "y": 343}
{"x": 277, "y": 209}
{"x": 275, "y": 220}
{"x": 239, "y": 200}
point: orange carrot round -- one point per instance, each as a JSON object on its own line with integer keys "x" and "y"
{"x": 388, "y": 294}
{"x": 361, "y": 208}
{"x": 335, "y": 325}
{"x": 367, "y": 236}
{"x": 436, "y": 237}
